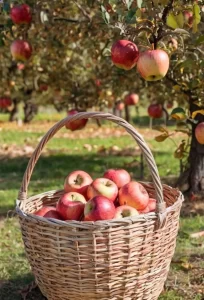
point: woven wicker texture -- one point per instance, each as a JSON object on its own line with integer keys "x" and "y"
{"x": 118, "y": 259}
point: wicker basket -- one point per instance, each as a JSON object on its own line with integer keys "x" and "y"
{"x": 118, "y": 259}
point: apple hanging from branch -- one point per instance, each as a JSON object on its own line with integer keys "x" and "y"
{"x": 21, "y": 50}
{"x": 124, "y": 54}
{"x": 153, "y": 65}
{"x": 21, "y": 14}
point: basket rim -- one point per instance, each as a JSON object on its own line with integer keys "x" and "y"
{"x": 152, "y": 216}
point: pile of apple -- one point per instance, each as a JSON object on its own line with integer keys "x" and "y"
{"x": 152, "y": 65}
{"x": 113, "y": 196}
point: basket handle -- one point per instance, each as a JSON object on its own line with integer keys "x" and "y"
{"x": 161, "y": 206}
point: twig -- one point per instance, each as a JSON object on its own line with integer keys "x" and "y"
{"x": 83, "y": 10}
{"x": 164, "y": 17}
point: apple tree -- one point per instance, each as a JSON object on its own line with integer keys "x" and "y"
{"x": 169, "y": 35}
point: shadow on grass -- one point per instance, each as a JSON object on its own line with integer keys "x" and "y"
{"x": 20, "y": 288}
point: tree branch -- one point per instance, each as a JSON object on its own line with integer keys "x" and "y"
{"x": 164, "y": 17}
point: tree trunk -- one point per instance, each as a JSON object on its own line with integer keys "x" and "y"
{"x": 127, "y": 113}
{"x": 30, "y": 110}
{"x": 14, "y": 112}
{"x": 196, "y": 156}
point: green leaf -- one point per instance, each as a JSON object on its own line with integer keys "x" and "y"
{"x": 130, "y": 18}
{"x": 194, "y": 114}
{"x": 139, "y": 3}
{"x": 196, "y": 13}
{"x": 181, "y": 31}
{"x": 105, "y": 14}
{"x": 178, "y": 113}
{"x": 129, "y": 3}
{"x": 161, "y": 137}
{"x": 171, "y": 21}
{"x": 200, "y": 40}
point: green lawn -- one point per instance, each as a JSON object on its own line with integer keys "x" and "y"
{"x": 69, "y": 151}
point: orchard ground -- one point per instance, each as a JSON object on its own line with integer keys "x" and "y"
{"x": 94, "y": 150}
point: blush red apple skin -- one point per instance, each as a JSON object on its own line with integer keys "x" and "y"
{"x": 71, "y": 206}
{"x": 21, "y": 50}
{"x": 75, "y": 125}
{"x": 21, "y": 14}
{"x": 134, "y": 194}
{"x": 48, "y": 212}
{"x": 199, "y": 133}
{"x": 77, "y": 181}
{"x": 103, "y": 187}
{"x": 120, "y": 106}
{"x": 153, "y": 64}
{"x": 124, "y": 211}
{"x": 119, "y": 176}
{"x": 124, "y": 54}
{"x": 188, "y": 17}
{"x": 151, "y": 207}
{"x": 131, "y": 99}
{"x": 155, "y": 111}
{"x": 99, "y": 208}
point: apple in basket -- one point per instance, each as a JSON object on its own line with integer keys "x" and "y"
{"x": 102, "y": 187}
{"x": 71, "y": 206}
{"x": 134, "y": 194}
{"x": 77, "y": 181}
{"x": 151, "y": 207}
{"x": 48, "y": 212}
{"x": 99, "y": 208}
{"x": 125, "y": 211}
{"x": 119, "y": 176}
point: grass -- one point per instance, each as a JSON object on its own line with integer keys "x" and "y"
{"x": 68, "y": 151}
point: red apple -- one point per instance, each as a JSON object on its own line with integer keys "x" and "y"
{"x": 71, "y": 206}
{"x": 5, "y": 102}
{"x": 75, "y": 125}
{"x": 120, "y": 106}
{"x": 48, "y": 212}
{"x": 131, "y": 99}
{"x": 169, "y": 105}
{"x": 21, "y": 50}
{"x": 188, "y": 17}
{"x": 43, "y": 87}
{"x": 21, "y": 14}
{"x": 20, "y": 66}
{"x": 124, "y": 54}
{"x": 119, "y": 176}
{"x": 155, "y": 111}
{"x": 153, "y": 64}
{"x": 99, "y": 208}
{"x": 152, "y": 204}
{"x": 134, "y": 195}
{"x": 199, "y": 133}
{"x": 77, "y": 181}
{"x": 102, "y": 187}
{"x": 124, "y": 211}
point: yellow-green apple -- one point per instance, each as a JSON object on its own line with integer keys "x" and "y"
{"x": 124, "y": 211}
{"x": 75, "y": 125}
{"x": 5, "y": 102}
{"x": 99, "y": 208}
{"x": 153, "y": 64}
{"x": 71, "y": 206}
{"x": 119, "y": 176}
{"x": 21, "y": 50}
{"x": 155, "y": 111}
{"x": 48, "y": 212}
{"x": 21, "y": 14}
{"x": 134, "y": 194}
{"x": 188, "y": 17}
{"x": 102, "y": 187}
{"x": 151, "y": 207}
{"x": 120, "y": 106}
{"x": 199, "y": 133}
{"x": 77, "y": 181}
{"x": 124, "y": 54}
{"x": 131, "y": 99}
